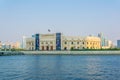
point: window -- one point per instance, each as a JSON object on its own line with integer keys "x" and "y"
{"x": 71, "y": 42}
{"x": 65, "y": 42}
{"x": 32, "y": 44}
{"x": 65, "y": 48}
{"x": 83, "y": 43}
{"x": 87, "y": 43}
{"x": 90, "y": 42}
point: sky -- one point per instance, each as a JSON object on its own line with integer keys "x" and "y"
{"x": 71, "y": 17}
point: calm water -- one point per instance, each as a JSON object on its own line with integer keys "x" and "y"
{"x": 60, "y": 67}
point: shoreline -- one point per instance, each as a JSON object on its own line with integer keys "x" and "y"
{"x": 115, "y": 52}
{"x": 72, "y": 52}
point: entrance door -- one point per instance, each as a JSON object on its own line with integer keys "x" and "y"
{"x": 43, "y": 48}
{"x": 51, "y": 48}
{"x": 65, "y": 48}
{"x": 47, "y": 48}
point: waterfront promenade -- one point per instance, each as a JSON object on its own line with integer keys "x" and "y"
{"x": 59, "y": 52}
{"x": 71, "y": 52}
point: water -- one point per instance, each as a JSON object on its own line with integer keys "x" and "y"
{"x": 60, "y": 67}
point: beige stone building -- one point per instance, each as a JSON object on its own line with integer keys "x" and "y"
{"x": 92, "y": 42}
{"x": 72, "y": 42}
{"x": 30, "y": 44}
{"x": 77, "y": 42}
{"x": 58, "y": 41}
{"x": 15, "y": 45}
{"x": 47, "y": 42}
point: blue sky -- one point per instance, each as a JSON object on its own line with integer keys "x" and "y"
{"x": 71, "y": 17}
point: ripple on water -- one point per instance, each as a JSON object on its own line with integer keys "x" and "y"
{"x": 60, "y": 67}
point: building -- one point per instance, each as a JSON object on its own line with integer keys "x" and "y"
{"x": 44, "y": 42}
{"x": 92, "y": 42}
{"x": 10, "y": 45}
{"x": 47, "y": 42}
{"x": 30, "y": 44}
{"x": 23, "y": 42}
{"x": 58, "y": 41}
{"x": 72, "y": 42}
{"x": 118, "y": 43}
{"x": 6, "y": 46}
{"x": 15, "y": 45}
{"x": 76, "y": 42}
{"x": 0, "y": 44}
{"x": 105, "y": 43}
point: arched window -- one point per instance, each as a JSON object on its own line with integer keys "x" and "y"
{"x": 71, "y": 42}
{"x": 83, "y": 43}
{"x": 65, "y": 42}
{"x": 65, "y": 48}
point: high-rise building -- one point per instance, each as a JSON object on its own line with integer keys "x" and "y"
{"x": 0, "y": 44}
{"x": 23, "y": 42}
{"x": 118, "y": 43}
{"x": 105, "y": 44}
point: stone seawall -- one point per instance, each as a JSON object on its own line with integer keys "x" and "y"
{"x": 72, "y": 52}
{"x": 2, "y": 53}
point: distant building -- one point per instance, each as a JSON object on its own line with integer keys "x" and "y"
{"x": 0, "y": 44}
{"x": 118, "y": 43}
{"x": 30, "y": 43}
{"x": 6, "y": 46}
{"x": 10, "y": 45}
{"x": 58, "y": 41}
{"x": 23, "y": 42}
{"x": 16, "y": 45}
{"x": 105, "y": 44}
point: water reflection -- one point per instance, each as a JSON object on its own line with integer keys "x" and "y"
{"x": 93, "y": 67}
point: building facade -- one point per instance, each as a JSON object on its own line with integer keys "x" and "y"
{"x": 105, "y": 43}
{"x": 30, "y": 44}
{"x": 15, "y": 45}
{"x": 72, "y": 42}
{"x": 7, "y": 46}
{"x": 0, "y": 44}
{"x": 92, "y": 42}
{"x": 44, "y": 42}
{"x": 47, "y": 42}
{"x": 23, "y": 42}
{"x": 118, "y": 43}
{"x": 58, "y": 41}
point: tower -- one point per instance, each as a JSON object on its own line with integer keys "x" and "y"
{"x": 23, "y": 42}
